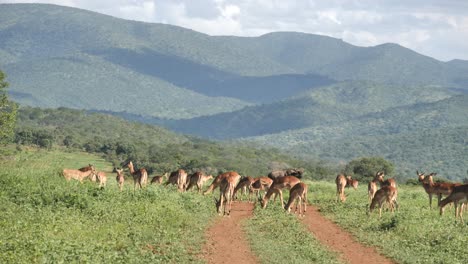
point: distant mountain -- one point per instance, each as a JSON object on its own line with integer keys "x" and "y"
{"x": 305, "y": 93}
{"x": 428, "y": 136}
{"x": 323, "y": 106}
{"x": 61, "y": 56}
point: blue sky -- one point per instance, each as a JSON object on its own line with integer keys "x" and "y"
{"x": 437, "y": 28}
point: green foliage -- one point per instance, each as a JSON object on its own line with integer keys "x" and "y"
{"x": 414, "y": 234}
{"x": 368, "y": 166}
{"x": 155, "y": 148}
{"x": 47, "y": 219}
{"x": 7, "y": 112}
{"x": 60, "y": 56}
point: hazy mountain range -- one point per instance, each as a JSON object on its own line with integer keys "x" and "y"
{"x": 304, "y": 93}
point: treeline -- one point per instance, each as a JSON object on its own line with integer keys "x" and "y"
{"x": 155, "y": 148}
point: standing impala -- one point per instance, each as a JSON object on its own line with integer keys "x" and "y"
{"x": 260, "y": 183}
{"x": 298, "y": 193}
{"x": 217, "y": 181}
{"x": 244, "y": 185}
{"x": 386, "y": 194}
{"x": 226, "y": 192}
{"x": 159, "y": 178}
{"x": 372, "y": 187}
{"x": 428, "y": 187}
{"x": 459, "y": 195}
{"x": 279, "y": 183}
{"x": 441, "y": 188}
{"x": 120, "y": 178}
{"x": 340, "y": 187}
{"x": 140, "y": 177}
{"x": 102, "y": 179}
{"x": 198, "y": 179}
{"x": 179, "y": 178}
{"x": 69, "y": 174}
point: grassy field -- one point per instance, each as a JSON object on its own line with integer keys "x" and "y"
{"x": 414, "y": 234}
{"x": 46, "y": 219}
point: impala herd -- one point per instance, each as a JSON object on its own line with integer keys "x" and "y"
{"x": 234, "y": 187}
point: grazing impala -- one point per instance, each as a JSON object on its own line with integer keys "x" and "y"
{"x": 140, "y": 177}
{"x": 260, "y": 183}
{"x": 102, "y": 179}
{"x": 69, "y": 174}
{"x": 386, "y": 194}
{"x": 244, "y": 185}
{"x": 179, "y": 178}
{"x": 298, "y": 193}
{"x": 350, "y": 182}
{"x": 198, "y": 179}
{"x": 279, "y": 183}
{"x": 159, "y": 179}
{"x": 226, "y": 192}
{"x": 217, "y": 181}
{"x": 120, "y": 178}
{"x": 459, "y": 195}
{"x": 340, "y": 187}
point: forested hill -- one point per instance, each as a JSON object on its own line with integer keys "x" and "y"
{"x": 155, "y": 148}
{"x": 60, "y": 56}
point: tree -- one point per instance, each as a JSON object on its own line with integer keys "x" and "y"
{"x": 7, "y": 112}
{"x": 368, "y": 166}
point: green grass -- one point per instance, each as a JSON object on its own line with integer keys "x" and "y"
{"x": 47, "y": 219}
{"x": 414, "y": 234}
{"x": 277, "y": 237}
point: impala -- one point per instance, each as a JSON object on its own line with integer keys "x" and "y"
{"x": 140, "y": 177}
{"x": 179, "y": 178}
{"x": 260, "y": 183}
{"x": 120, "y": 178}
{"x": 244, "y": 185}
{"x": 386, "y": 194}
{"x": 88, "y": 168}
{"x": 372, "y": 187}
{"x": 459, "y": 195}
{"x": 298, "y": 193}
{"x": 388, "y": 182}
{"x": 278, "y": 184}
{"x": 441, "y": 188}
{"x": 160, "y": 178}
{"x": 69, "y": 174}
{"x": 428, "y": 187}
{"x": 198, "y": 179}
{"x": 226, "y": 192}
{"x": 102, "y": 179}
{"x": 340, "y": 187}
{"x": 350, "y": 182}
{"x": 217, "y": 181}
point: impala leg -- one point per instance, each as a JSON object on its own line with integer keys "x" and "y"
{"x": 430, "y": 200}
{"x": 281, "y": 197}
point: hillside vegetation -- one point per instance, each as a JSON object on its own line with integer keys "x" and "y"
{"x": 60, "y": 56}
{"x": 155, "y": 148}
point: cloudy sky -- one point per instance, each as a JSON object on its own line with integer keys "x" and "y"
{"x": 437, "y": 28}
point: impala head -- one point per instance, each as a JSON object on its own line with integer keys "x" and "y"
{"x": 379, "y": 176}
{"x": 420, "y": 176}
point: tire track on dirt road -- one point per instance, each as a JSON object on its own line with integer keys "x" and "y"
{"x": 226, "y": 240}
{"x": 340, "y": 241}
